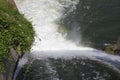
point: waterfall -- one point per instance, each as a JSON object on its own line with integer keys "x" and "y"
{"x": 45, "y": 15}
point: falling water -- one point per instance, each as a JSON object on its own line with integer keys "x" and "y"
{"x": 45, "y": 16}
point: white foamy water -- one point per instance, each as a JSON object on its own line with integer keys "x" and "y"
{"x": 44, "y": 14}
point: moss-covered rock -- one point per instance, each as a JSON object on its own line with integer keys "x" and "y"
{"x": 113, "y": 48}
{"x": 15, "y": 32}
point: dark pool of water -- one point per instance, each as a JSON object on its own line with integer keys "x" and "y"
{"x": 68, "y": 69}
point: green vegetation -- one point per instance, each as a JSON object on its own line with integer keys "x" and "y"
{"x": 15, "y": 32}
{"x": 110, "y": 49}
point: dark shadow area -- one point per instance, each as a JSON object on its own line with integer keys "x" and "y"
{"x": 68, "y": 69}
{"x": 97, "y": 20}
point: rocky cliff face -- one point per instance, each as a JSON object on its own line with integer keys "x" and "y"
{"x": 16, "y": 37}
{"x": 10, "y": 65}
{"x": 12, "y": 3}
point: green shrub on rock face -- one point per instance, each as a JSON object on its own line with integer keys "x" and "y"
{"x": 15, "y": 32}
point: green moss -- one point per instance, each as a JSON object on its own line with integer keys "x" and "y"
{"x": 15, "y": 32}
{"x": 109, "y": 49}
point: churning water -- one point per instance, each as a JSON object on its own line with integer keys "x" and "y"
{"x": 51, "y": 52}
{"x": 45, "y": 16}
